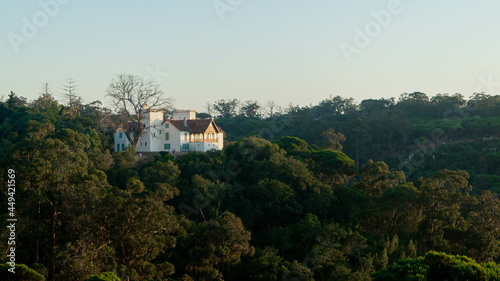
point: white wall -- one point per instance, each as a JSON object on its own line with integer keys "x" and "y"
{"x": 202, "y": 146}
{"x": 173, "y": 140}
{"x": 220, "y": 140}
{"x": 187, "y": 114}
{"x": 184, "y": 139}
{"x": 120, "y": 142}
{"x": 141, "y": 146}
{"x": 151, "y": 139}
{"x": 156, "y": 141}
{"x": 155, "y": 135}
{"x": 152, "y": 116}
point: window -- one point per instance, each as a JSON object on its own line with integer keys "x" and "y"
{"x": 121, "y": 134}
{"x": 141, "y": 143}
{"x": 167, "y": 125}
{"x": 118, "y": 147}
{"x": 144, "y": 125}
{"x": 185, "y": 147}
{"x": 167, "y": 136}
{"x": 145, "y": 143}
{"x": 185, "y": 136}
{"x": 166, "y": 146}
{"x": 154, "y": 135}
{"x": 123, "y": 146}
{"x": 160, "y": 132}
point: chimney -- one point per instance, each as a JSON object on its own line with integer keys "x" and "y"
{"x": 185, "y": 122}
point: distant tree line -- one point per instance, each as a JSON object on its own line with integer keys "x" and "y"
{"x": 413, "y": 133}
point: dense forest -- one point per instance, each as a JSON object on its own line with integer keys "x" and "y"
{"x": 415, "y": 134}
{"x": 380, "y": 190}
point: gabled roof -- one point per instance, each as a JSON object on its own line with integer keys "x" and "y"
{"x": 195, "y": 126}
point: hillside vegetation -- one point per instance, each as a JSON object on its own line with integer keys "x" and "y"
{"x": 415, "y": 134}
{"x": 382, "y": 190}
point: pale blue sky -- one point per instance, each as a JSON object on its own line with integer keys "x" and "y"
{"x": 282, "y": 50}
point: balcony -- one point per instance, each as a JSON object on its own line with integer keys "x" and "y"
{"x": 212, "y": 138}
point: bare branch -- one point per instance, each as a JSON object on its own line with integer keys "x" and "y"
{"x": 130, "y": 93}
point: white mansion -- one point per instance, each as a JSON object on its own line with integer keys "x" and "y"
{"x": 184, "y": 132}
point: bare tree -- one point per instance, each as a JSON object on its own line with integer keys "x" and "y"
{"x": 45, "y": 89}
{"x": 130, "y": 93}
{"x": 69, "y": 94}
{"x": 209, "y": 108}
{"x": 272, "y": 109}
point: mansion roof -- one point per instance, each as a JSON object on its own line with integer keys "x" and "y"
{"x": 195, "y": 126}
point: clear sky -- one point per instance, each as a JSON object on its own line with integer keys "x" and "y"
{"x": 288, "y": 51}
